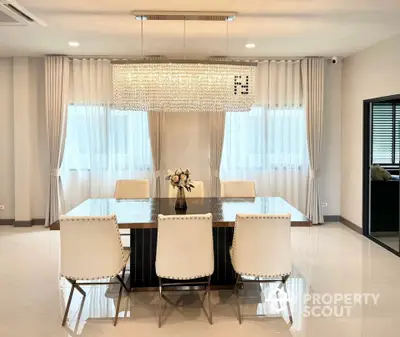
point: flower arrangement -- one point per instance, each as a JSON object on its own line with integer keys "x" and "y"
{"x": 180, "y": 178}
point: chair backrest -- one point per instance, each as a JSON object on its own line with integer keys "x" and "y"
{"x": 261, "y": 245}
{"x": 197, "y": 191}
{"x": 238, "y": 189}
{"x": 91, "y": 247}
{"x": 132, "y": 189}
{"x": 184, "y": 246}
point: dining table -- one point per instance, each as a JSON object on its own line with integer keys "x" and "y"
{"x": 139, "y": 217}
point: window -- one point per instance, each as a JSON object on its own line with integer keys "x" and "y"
{"x": 265, "y": 138}
{"x": 269, "y": 147}
{"x": 385, "y": 133}
{"x": 99, "y": 138}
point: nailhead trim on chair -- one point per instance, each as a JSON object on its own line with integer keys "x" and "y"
{"x": 184, "y": 217}
{"x": 113, "y": 217}
{"x": 185, "y": 278}
{"x": 256, "y": 217}
{"x": 262, "y": 216}
{"x": 207, "y": 216}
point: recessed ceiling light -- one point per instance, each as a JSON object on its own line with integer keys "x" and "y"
{"x": 73, "y": 44}
{"x": 250, "y": 45}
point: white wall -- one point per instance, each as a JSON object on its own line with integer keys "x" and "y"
{"x": 371, "y": 73}
{"x": 330, "y": 169}
{"x": 38, "y": 134}
{"x": 187, "y": 145}
{"x": 37, "y": 138}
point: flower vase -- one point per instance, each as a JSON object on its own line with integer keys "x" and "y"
{"x": 180, "y": 203}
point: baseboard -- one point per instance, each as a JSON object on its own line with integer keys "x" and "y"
{"x": 331, "y": 218}
{"x": 351, "y": 225}
{"x": 38, "y": 222}
{"x": 6, "y": 222}
{"x": 23, "y": 223}
{"x": 28, "y": 223}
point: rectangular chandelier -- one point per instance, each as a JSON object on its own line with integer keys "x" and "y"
{"x": 183, "y": 87}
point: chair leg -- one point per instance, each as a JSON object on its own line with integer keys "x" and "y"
{"x": 209, "y": 299}
{"x": 122, "y": 280}
{"x": 238, "y": 278}
{"x": 159, "y": 301}
{"x": 284, "y": 279}
{"x": 118, "y": 303}
{"x": 69, "y": 302}
{"x": 207, "y": 294}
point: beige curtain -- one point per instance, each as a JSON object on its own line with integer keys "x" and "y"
{"x": 156, "y": 132}
{"x": 217, "y": 131}
{"x": 279, "y": 84}
{"x": 312, "y": 71}
{"x": 56, "y": 86}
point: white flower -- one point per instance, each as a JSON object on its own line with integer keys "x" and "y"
{"x": 183, "y": 177}
{"x": 178, "y": 172}
{"x": 175, "y": 178}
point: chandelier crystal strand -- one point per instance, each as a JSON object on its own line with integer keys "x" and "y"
{"x": 141, "y": 37}
{"x": 184, "y": 38}
{"x": 183, "y": 87}
{"x": 227, "y": 38}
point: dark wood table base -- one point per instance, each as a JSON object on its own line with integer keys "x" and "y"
{"x": 143, "y": 256}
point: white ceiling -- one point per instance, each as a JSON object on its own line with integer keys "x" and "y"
{"x": 282, "y": 28}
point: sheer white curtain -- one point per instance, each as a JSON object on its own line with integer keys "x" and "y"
{"x": 269, "y": 144}
{"x": 269, "y": 147}
{"x": 103, "y": 144}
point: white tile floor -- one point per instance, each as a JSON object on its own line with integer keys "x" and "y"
{"x": 328, "y": 259}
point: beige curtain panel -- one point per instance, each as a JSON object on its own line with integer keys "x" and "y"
{"x": 312, "y": 71}
{"x": 91, "y": 82}
{"x": 56, "y": 91}
{"x": 278, "y": 84}
{"x": 156, "y": 132}
{"x": 217, "y": 131}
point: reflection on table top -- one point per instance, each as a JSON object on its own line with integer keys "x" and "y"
{"x": 142, "y": 213}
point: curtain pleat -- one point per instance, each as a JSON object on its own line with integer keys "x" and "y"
{"x": 217, "y": 131}
{"x": 56, "y": 86}
{"x": 312, "y": 71}
{"x": 279, "y": 84}
{"x": 156, "y": 132}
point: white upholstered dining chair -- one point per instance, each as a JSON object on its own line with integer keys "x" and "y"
{"x": 91, "y": 250}
{"x": 238, "y": 189}
{"x": 197, "y": 191}
{"x": 132, "y": 189}
{"x": 185, "y": 252}
{"x": 261, "y": 251}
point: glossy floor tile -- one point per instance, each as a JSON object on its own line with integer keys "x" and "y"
{"x": 336, "y": 274}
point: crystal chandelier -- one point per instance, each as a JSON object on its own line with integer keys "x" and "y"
{"x": 183, "y": 86}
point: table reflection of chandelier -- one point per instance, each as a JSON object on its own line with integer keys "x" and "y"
{"x": 183, "y": 85}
